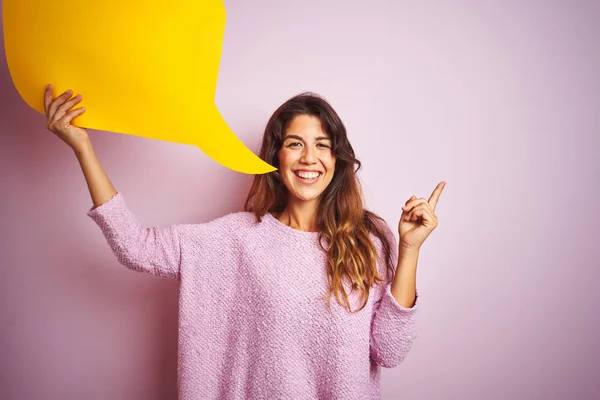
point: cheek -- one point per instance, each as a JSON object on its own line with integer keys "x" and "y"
{"x": 331, "y": 165}
{"x": 285, "y": 158}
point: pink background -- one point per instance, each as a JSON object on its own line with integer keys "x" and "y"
{"x": 499, "y": 99}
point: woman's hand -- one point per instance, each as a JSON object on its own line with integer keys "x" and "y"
{"x": 59, "y": 116}
{"x": 418, "y": 219}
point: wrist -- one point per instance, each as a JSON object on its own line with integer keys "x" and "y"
{"x": 408, "y": 258}
{"x": 82, "y": 149}
{"x": 408, "y": 251}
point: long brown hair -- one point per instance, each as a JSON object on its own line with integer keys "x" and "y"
{"x": 341, "y": 219}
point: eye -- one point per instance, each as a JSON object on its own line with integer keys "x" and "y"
{"x": 294, "y": 144}
{"x": 324, "y": 145}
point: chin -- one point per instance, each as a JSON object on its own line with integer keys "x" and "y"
{"x": 306, "y": 196}
{"x": 305, "y": 193}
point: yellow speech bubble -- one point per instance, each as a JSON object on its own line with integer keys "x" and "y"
{"x": 144, "y": 68}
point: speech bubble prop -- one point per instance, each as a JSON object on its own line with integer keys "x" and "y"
{"x": 145, "y": 68}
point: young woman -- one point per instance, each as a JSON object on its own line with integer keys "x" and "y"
{"x": 256, "y": 318}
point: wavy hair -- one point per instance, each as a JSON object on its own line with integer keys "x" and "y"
{"x": 341, "y": 218}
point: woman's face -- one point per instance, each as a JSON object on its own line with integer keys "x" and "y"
{"x": 306, "y": 162}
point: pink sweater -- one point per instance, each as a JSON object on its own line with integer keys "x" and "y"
{"x": 250, "y": 324}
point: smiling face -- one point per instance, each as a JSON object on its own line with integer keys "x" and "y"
{"x": 306, "y": 160}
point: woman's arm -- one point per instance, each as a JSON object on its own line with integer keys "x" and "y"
{"x": 149, "y": 249}
{"x": 394, "y": 323}
{"x": 100, "y": 187}
{"x": 59, "y": 114}
{"x": 404, "y": 285}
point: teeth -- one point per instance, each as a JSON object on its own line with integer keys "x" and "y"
{"x": 308, "y": 175}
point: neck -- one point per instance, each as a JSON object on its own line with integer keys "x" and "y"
{"x": 300, "y": 215}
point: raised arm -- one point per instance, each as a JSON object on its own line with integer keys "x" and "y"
{"x": 58, "y": 121}
{"x": 148, "y": 249}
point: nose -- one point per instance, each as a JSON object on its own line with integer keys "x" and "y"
{"x": 308, "y": 155}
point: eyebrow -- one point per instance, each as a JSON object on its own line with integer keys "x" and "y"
{"x": 299, "y": 138}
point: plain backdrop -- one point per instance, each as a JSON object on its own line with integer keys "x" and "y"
{"x": 499, "y": 99}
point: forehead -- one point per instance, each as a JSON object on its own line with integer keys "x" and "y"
{"x": 307, "y": 127}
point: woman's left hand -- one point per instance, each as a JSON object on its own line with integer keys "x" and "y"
{"x": 418, "y": 219}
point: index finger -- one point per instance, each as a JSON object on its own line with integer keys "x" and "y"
{"x": 435, "y": 196}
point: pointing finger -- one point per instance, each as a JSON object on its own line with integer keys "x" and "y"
{"x": 435, "y": 196}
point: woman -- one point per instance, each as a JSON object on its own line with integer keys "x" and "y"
{"x": 256, "y": 317}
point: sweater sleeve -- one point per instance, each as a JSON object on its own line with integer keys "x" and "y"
{"x": 147, "y": 249}
{"x": 393, "y": 327}
{"x": 393, "y": 330}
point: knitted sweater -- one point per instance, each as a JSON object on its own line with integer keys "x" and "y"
{"x": 251, "y": 325}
